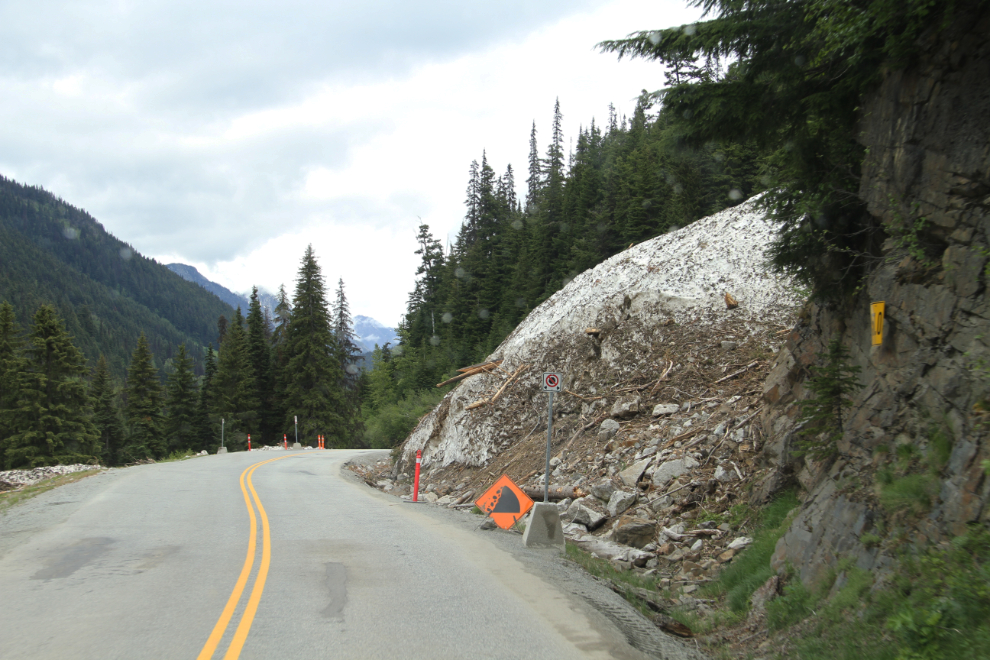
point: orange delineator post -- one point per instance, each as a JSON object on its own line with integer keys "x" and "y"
{"x": 249, "y": 442}
{"x": 419, "y": 459}
{"x": 285, "y": 441}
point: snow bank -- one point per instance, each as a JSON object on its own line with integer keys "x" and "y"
{"x": 680, "y": 277}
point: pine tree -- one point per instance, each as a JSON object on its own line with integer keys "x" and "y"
{"x": 106, "y": 413}
{"x": 143, "y": 408}
{"x": 260, "y": 354}
{"x": 348, "y": 352}
{"x": 207, "y": 431}
{"x": 235, "y": 387}
{"x": 11, "y": 365}
{"x": 832, "y": 384}
{"x": 180, "y": 404}
{"x": 534, "y": 183}
{"x": 283, "y": 319}
{"x": 51, "y": 420}
{"x": 312, "y": 370}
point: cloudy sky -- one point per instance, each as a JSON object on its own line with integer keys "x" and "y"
{"x": 229, "y": 135}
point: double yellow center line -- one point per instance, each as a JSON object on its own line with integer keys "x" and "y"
{"x": 247, "y": 617}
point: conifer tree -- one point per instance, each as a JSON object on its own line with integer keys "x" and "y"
{"x": 535, "y": 181}
{"x": 283, "y": 318}
{"x": 312, "y": 369}
{"x": 11, "y": 365}
{"x": 143, "y": 408}
{"x": 106, "y": 413}
{"x": 206, "y": 419}
{"x": 259, "y": 351}
{"x": 235, "y": 387}
{"x": 51, "y": 420}
{"x": 180, "y": 404}
{"x": 348, "y": 352}
{"x": 831, "y": 384}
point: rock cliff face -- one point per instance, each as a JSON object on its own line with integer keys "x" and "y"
{"x": 927, "y": 178}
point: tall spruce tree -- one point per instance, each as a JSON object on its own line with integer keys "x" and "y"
{"x": 180, "y": 404}
{"x": 51, "y": 420}
{"x": 235, "y": 386}
{"x": 260, "y": 354}
{"x": 207, "y": 430}
{"x": 143, "y": 408}
{"x": 348, "y": 353}
{"x": 11, "y": 365}
{"x": 312, "y": 372}
{"x": 106, "y": 413}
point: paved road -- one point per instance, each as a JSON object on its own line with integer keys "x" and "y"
{"x": 163, "y": 561}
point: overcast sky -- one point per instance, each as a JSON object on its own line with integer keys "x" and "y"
{"x": 229, "y": 135}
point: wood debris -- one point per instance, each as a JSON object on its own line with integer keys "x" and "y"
{"x": 730, "y": 301}
{"x": 515, "y": 374}
{"x": 471, "y": 371}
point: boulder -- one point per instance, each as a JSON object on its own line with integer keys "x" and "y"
{"x": 619, "y": 502}
{"x": 635, "y": 532}
{"x": 630, "y": 476}
{"x": 725, "y": 476}
{"x": 665, "y": 409}
{"x": 608, "y": 550}
{"x": 607, "y": 430}
{"x": 739, "y": 543}
{"x": 672, "y": 469}
{"x": 625, "y": 407}
{"x": 582, "y": 515}
{"x": 603, "y": 490}
{"x": 429, "y": 497}
{"x": 763, "y": 595}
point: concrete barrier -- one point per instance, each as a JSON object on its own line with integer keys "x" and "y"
{"x": 543, "y": 527}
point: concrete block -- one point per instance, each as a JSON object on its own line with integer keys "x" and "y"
{"x": 222, "y": 450}
{"x": 296, "y": 445}
{"x": 543, "y": 527}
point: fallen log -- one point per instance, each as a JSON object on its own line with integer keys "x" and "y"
{"x": 556, "y": 493}
{"x": 515, "y": 375}
{"x": 471, "y": 371}
{"x": 483, "y": 365}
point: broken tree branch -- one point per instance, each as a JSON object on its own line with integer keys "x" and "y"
{"x": 734, "y": 374}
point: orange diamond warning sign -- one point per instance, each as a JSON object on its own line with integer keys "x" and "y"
{"x": 504, "y": 502}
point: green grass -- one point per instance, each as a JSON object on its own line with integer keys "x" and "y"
{"x": 392, "y": 423}
{"x": 935, "y": 606}
{"x": 751, "y": 568}
{"x": 12, "y": 498}
{"x": 602, "y": 568}
{"x": 913, "y": 493}
{"x": 179, "y": 456}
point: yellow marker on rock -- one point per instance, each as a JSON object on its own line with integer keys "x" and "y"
{"x": 876, "y": 311}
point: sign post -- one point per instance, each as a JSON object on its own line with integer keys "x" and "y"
{"x": 551, "y": 384}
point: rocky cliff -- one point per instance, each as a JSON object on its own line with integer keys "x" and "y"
{"x": 909, "y": 467}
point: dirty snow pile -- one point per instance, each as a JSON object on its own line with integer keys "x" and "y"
{"x": 12, "y": 479}
{"x": 639, "y": 303}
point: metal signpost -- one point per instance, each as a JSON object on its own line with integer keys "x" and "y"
{"x": 295, "y": 419}
{"x": 551, "y": 384}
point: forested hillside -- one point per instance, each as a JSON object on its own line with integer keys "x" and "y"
{"x": 625, "y": 182}
{"x": 107, "y": 293}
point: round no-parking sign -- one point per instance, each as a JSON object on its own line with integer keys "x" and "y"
{"x": 551, "y": 381}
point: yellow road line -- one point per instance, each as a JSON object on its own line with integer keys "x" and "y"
{"x": 228, "y": 611}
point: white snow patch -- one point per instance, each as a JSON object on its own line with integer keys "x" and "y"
{"x": 682, "y": 275}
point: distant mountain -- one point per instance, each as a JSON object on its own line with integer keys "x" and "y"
{"x": 190, "y": 274}
{"x": 370, "y": 332}
{"x": 107, "y": 292}
{"x": 242, "y": 300}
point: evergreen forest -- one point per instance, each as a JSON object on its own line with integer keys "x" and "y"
{"x": 266, "y": 374}
{"x": 626, "y": 181}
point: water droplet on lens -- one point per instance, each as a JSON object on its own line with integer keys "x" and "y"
{"x": 447, "y": 317}
{"x": 126, "y": 253}
{"x": 520, "y": 302}
{"x": 435, "y": 340}
{"x": 352, "y": 369}
{"x": 483, "y": 313}
{"x": 517, "y": 224}
{"x": 690, "y": 30}
{"x": 735, "y": 194}
{"x": 70, "y": 233}
{"x": 654, "y": 37}
{"x": 460, "y": 273}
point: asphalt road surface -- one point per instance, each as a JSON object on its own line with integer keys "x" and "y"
{"x": 286, "y": 555}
